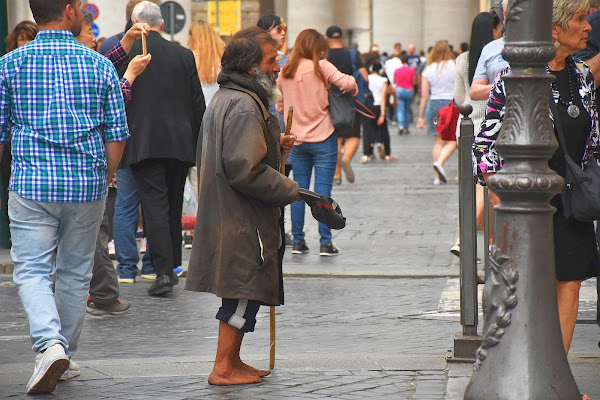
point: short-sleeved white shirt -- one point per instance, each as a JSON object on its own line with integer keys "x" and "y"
{"x": 376, "y": 83}
{"x": 441, "y": 79}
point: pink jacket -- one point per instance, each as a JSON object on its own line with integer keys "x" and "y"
{"x": 310, "y": 98}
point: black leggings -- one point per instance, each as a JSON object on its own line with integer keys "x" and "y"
{"x": 375, "y": 133}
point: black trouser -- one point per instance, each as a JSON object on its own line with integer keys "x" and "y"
{"x": 160, "y": 183}
{"x": 104, "y": 286}
{"x": 375, "y": 133}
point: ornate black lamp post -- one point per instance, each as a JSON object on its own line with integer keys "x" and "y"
{"x": 522, "y": 354}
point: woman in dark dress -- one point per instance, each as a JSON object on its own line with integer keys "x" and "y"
{"x": 576, "y": 251}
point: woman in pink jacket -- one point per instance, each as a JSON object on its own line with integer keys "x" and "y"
{"x": 304, "y": 83}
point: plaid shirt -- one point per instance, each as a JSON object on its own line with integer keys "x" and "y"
{"x": 60, "y": 101}
{"x": 119, "y": 57}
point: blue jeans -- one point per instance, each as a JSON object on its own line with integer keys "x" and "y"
{"x": 323, "y": 156}
{"x": 38, "y": 229}
{"x": 127, "y": 217}
{"x": 405, "y": 97}
{"x": 433, "y": 108}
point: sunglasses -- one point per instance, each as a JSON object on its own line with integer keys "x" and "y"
{"x": 280, "y": 28}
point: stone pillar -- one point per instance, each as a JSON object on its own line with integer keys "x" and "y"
{"x": 315, "y": 14}
{"x": 18, "y": 11}
{"x": 399, "y": 21}
{"x": 449, "y": 20}
{"x": 522, "y": 354}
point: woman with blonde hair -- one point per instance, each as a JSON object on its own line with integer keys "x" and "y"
{"x": 304, "y": 83}
{"x": 437, "y": 90}
{"x": 208, "y": 49}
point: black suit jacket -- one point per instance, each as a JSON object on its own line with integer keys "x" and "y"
{"x": 167, "y": 104}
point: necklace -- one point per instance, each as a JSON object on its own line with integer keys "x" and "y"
{"x": 572, "y": 109}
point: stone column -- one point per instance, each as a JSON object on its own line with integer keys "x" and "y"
{"x": 18, "y": 11}
{"x": 522, "y": 354}
{"x": 315, "y": 14}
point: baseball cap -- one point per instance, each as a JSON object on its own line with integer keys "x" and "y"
{"x": 334, "y": 32}
{"x": 324, "y": 209}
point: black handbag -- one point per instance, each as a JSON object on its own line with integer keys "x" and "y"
{"x": 341, "y": 109}
{"x": 581, "y": 195}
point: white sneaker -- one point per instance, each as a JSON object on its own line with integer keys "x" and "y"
{"x": 49, "y": 366}
{"x": 440, "y": 170}
{"x": 71, "y": 372}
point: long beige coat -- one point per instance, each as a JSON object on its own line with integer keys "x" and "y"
{"x": 241, "y": 192}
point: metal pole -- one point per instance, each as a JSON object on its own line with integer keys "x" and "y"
{"x": 522, "y": 354}
{"x": 172, "y": 20}
{"x": 466, "y": 342}
{"x": 468, "y": 233}
{"x": 486, "y": 230}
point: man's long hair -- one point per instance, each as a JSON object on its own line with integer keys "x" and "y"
{"x": 244, "y": 50}
{"x": 311, "y": 45}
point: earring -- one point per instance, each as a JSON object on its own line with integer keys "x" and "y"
{"x": 556, "y": 43}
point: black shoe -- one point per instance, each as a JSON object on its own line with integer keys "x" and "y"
{"x": 289, "y": 241}
{"x": 299, "y": 248}
{"x": 161, "y": 286}
{"x": 329, "y": 249}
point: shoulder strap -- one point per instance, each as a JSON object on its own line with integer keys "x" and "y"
{"x": 353, "y": 58}
{"x": 558, "y": 126}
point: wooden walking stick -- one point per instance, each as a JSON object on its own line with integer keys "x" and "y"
{"x": 288, "y": 129}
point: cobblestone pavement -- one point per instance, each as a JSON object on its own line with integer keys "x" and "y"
{"x": 381, "y": 329}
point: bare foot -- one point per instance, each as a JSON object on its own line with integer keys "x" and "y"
{"x": 253, "y": 371}
{"x": 233, "y": 377}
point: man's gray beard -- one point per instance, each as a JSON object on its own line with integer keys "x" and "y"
{"x": 268, "y": 83}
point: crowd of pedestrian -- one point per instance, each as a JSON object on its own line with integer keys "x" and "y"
{"x": 103, "y": 158}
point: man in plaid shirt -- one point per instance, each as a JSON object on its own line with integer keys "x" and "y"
{"x": 62, "y": 104}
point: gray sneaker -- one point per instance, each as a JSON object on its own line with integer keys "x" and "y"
{"x": 348, "y": 170}
{"x": 119, "y": 307}
{"x": 71, "y": 372}
{"x": 49, "y": 367}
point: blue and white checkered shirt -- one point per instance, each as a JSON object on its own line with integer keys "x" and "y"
{"x": 60, "y": 101}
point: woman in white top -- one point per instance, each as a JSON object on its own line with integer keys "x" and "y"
{"x": 437, "y": 86}
{"x": 376, "y": 130}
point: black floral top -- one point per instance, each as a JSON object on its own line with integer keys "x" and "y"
{"x": 486, "y": 158}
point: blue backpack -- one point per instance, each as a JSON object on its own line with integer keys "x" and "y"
{"x": 365, "y": 96}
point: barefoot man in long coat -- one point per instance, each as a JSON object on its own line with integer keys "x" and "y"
{"x": 237, "y": 241}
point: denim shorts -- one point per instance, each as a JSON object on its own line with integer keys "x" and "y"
{"x": 433, "y": 107}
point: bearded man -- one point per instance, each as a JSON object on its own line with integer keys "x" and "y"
{"x": 238, "y": 245}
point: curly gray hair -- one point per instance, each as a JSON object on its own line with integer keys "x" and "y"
{"x": 563, "y": 10}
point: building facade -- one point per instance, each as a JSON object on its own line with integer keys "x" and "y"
{"x": 364, "y": 22}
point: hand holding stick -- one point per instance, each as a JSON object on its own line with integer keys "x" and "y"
{"x": 288, "y": 132}
{"x": 144, "y": 45}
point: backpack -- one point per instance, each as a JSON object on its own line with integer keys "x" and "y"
{"x": 365, "y": 96}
